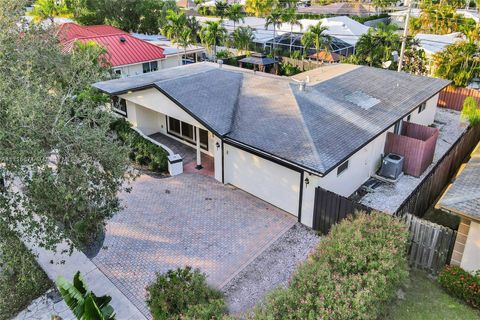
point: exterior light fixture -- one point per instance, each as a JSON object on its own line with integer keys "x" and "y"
{"x": 217, "y": 145}
{"x": 307, "y": 181}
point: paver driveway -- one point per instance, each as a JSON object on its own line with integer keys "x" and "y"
{"x": 190, "y": 220}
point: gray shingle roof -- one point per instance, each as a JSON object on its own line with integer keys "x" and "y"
{"x": 463, "y": 196}
{"x": 211, "y": 96}
{"x": 316, "y": 129}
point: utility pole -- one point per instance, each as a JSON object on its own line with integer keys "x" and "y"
{"x": 405, "y": 34}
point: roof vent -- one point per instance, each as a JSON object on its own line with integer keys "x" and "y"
{"x": 123, "y": 39}
{"x": 362, "y": 99}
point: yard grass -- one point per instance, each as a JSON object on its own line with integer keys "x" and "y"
{"x": 426, "y": 300}
{"x": 21, "y": 278}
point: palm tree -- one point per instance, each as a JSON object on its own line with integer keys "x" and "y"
{"x": 211, "y": 34}
{"x": 290, "y": 16}
{"x": 185, "y": 39}
{"x": 274, "y": 19}
{"x": 320, "y": 39}
{"x": 174, "y": 26}
{"x": 235, "y": 13}
{"x": 307, "y": 42}
{"x": 49, "y": 10}
{"x": 242, "y": 37}
{"x": 221, "y": 8}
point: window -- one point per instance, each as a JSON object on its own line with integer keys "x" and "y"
{"x": 119, "y": 105}
{"x": 422, "y": 107}
{"x": 118, "y": 72}
{"x": 150, "y": 66}
{"x": 341, "y": 168}
{"x": 187, "y": 131}
{"x": 174, "y": 125}
{"x": 204, "y": 138}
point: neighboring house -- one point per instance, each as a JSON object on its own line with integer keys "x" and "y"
{"x": 462, "y": 198}
{"x": 128, "y": 55}
{"x": 345, "y": 32}
{"x": 275, "y": 137}
{"x": 174, "y": 54}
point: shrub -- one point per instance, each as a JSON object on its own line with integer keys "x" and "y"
{"x": 143, "y": 151}
{"x": 184, "y": 294}
{"x": 461, "y": 284}
{"x": 471, "y": 112}
{"x": 21, "y": 279}
{"x": 353, "y": 272}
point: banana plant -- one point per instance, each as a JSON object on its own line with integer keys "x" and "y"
{"x": 84, "y": 304}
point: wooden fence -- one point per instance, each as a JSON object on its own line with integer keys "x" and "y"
{"x": 427, "y": 192}
{"x": 452, "y": 98}
{"x": 303, "y": 65}
{"x": 331, "y": 208}
{"x": 431, "y": 245}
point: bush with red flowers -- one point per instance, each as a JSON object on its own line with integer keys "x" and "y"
{"x": 461, "y": 284}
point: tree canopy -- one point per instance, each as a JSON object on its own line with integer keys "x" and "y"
{"x": 459, "y": 62}
{"x": 61, "y": 165}
{"x": 145, "y": 16}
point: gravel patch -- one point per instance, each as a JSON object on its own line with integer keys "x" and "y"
{"x": 388, "y": 197}
{"x": 272, "y": 268}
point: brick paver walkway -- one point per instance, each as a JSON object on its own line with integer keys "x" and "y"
{"x": 191, "y": 220}
{"x": 188, "y": 154}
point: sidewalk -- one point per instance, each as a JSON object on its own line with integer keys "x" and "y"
{"x": 56, "y": 264}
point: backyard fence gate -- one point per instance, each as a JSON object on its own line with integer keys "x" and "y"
{"x": 431, "y": 244}
{"x": 331, "y": 208}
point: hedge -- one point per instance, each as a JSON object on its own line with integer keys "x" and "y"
{"x": 461, "y": 284}
{"x": 143, "y": 151}
{"x": 352, "y": 274}
{"x": 184, "y": 294}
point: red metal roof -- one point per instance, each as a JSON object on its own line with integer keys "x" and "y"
{"x": 129, "y": 51}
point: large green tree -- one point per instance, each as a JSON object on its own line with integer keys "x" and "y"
{"x": 146, "y": 16}
{"x": 49, "y": 10}
{"x": 376, "y": 47}
{"x": 459, "y": 62}
{"x": 260, "y": 8}
{"x": 62, "y": 167}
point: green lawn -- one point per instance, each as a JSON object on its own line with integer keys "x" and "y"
{"x": 426, "y": 300}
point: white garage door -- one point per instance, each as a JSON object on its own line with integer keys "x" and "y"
{"x": 264, "y": 179}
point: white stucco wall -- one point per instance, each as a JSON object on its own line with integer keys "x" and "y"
{"x": 471, "y": 253}
{"x": 217, "y": 157}
{"x": 135, "y": 69}
{"x": 427, "y": 116}
{"x": 148, "y": 121}
{"x": 170, "y": 62}
{"x": 265, "y": 179}
{"x": 154, "y": 100}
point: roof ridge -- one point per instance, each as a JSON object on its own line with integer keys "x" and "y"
{"x": 306, "y": 129}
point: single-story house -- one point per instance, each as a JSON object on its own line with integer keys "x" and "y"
{"x": 276, "y": 137}
{"x": 127, "y": 55}
{"x": 462, "y": 198}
